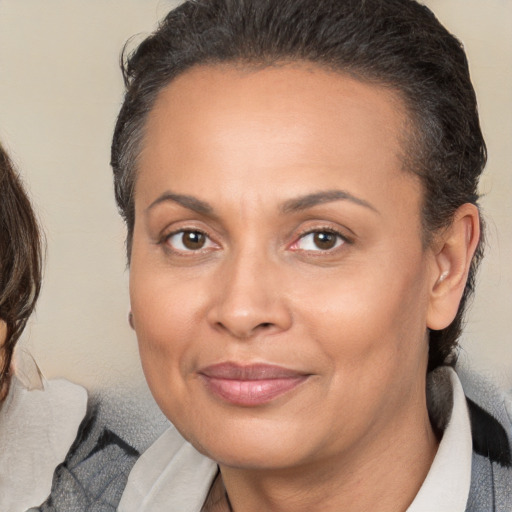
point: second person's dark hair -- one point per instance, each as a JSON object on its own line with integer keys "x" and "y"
{"x": 20, "y": 260}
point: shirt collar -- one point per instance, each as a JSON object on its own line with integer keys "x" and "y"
{"x": 447, "y": 485}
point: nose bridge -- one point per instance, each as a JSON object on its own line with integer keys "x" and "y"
{"x": 249, "y": 299}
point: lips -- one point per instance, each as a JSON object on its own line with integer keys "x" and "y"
{"x": 250, "y": 385}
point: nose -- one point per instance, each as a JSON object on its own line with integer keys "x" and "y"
{"x": 249, "y": 299}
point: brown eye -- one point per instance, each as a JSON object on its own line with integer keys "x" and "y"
{"x": 325, "y": 240}
{"x": 189, "y": 241}
{"x": 319, "y": 241}
{"x": 193, "y": 240}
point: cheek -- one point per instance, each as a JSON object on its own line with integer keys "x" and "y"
{"x": 163, "y": 331}
{"x": 372, "y": 332}
{"x": 165, "y": 314}
{"x": 369, "y": 314}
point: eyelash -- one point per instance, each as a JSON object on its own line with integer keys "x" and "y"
{"x": 183, "y": 252}
{"x": 341, "y": 237}
{"x": 166, "y": 237}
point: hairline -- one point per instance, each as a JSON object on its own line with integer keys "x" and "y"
{"x": 411, "y": 138}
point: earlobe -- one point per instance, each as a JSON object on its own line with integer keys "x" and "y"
{"x": 454, "y": 252}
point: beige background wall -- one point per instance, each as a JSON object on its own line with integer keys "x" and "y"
{"x": 60, "y": 90}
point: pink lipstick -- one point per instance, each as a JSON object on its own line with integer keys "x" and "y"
{"x": 250, "y": 385}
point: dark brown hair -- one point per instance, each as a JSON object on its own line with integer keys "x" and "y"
{"x": 20, "y": 261}
{"x": 393, "y": 43}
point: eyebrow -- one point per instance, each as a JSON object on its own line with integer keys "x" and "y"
{"x": 308, "y": 201}
{"x": 290, "y": 206}
{"x": 189, "y": 202}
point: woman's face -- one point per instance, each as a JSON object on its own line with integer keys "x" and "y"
{"x": 278, "y": 282}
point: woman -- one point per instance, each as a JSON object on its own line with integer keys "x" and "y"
{"x": 299, "y": 182}
{"x": 38, "y": 419}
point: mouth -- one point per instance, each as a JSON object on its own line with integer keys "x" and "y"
{"x": 250, "y": 385}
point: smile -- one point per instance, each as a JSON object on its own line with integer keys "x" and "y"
{"x": 251, "y": 385}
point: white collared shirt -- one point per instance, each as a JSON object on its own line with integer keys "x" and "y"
{"x": 446, "y": 488}
{"x": 37, "y": 428}
{"x": 172, "y": 476}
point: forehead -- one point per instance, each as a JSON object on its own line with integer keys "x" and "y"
{"x": 235, "y": 125}
{"x": 297, "y": 93}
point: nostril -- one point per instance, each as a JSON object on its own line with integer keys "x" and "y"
{"x": 245, "y": 332}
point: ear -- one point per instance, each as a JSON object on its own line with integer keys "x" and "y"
{"x": 453, "y": 252}
{"x": 130, "y": 319}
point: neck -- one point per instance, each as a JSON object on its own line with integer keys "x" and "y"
{"x": 383, "y": 472}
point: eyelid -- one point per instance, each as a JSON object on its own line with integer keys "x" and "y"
{"x": 186, "y": 229}
{"x": 185, "y": 224}
{"x": 321, "y": 229}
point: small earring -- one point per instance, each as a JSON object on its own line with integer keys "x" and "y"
{"x": 130, "y": 320}
{"x": 443, "y": 276}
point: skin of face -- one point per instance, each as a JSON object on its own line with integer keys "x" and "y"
{"x": 264, "y": 165}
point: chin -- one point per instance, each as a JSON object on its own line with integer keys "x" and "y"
{"x": 251, "y": 444}
{"x": 252, "y": 457}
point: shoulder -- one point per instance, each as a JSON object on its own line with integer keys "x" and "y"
{"x": 37, "y": 427}
{"x": 118, "y": 426}
{"x": 490, "y": 412}
{"x": 491, "y": 428}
